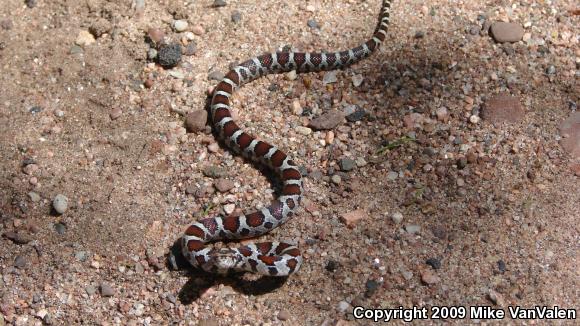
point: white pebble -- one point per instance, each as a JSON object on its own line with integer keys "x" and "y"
{"x": 60, "y": 203}
{"x": 397, "y": 217}
{"x": 180, "y": 25}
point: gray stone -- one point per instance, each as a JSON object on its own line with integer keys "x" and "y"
{"x": 506, "y": 32}
{"x": 327, "y": 121}
{"x": 60, "y": 203}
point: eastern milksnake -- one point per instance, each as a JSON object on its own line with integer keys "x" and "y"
{"x": 266, "y": 258}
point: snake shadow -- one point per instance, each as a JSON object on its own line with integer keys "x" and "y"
{"x": 200, "y": 281}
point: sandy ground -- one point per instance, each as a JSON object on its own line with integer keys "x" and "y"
{"x": 454, "y": 210}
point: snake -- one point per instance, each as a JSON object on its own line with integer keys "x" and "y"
{"x": 274, "y": 258}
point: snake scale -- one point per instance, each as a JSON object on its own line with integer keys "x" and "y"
{"x": 266, "y": 258}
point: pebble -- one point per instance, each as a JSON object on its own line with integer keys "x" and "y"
{"x": 392, "y": 175}
{"x": 429, "y": 277}
{"x": 346, "y": 164}
{"x": 291, "y": 75}
{"x": 30, "y": 169}
{"x": 20, "y": 261}
{"x": 223, "y": 185}
{"x": 358, "y": 114}
{"x": 506, "y": 32}
{"x": 496, "y": 298}
{"x": 219, "y": 3}
{"x": 357, "y": 80}
{"x": 434, "y": 263}
{"x": 198, "y": 30}
{"x": 501, "y": 266}
{"x": 60, "y": 203}
{"x": 229, "y": 208}
{"x": 336, "y": 179}
{"x": 177, "y": 74}
{"x": 34, "y": 197}
{"x": 81, "y": 255}
{"x": 312, "y": 23}
{"x": 214, "y": 172}
{"x": 180, "y": 25}
{"x": 236, "y": 17}
{"x": 156, "y": 35}
{"x": 190, "y": 49}
{"x": 329, "y": 77}
{"x": 360, "y": 162}
{"x": 343, "y": 306}
{"x": 60, "y": 228}
{"x": 35, "y": 109}
{"x": 474, "y": 119}
{"x": 30, "y": 3}
{"x": 84, "y": 38}
{"x": 397, "y": 217}
{"x": 195, "y": 121}
{"x": 106, "y": 290}
{"x": 169, "y": 55}
{"x": 570, "y": 132}
{"x": 371, "y": 287}
{"x": 296, "y": 107}
{"x": 152, "y": 53}
{"x": 328, "y": 120}
{"x": 503, "y": 108}
{"x": 115, "y": 113}
{"x": 352, "y": 217}
{"x": 412, "y": 228}
{"x": 303, "y": 130}
{"x": 283, "y": 315}
{"x": 213, "y": 147}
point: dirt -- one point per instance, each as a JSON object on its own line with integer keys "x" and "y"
{"x": 418, "y": 202}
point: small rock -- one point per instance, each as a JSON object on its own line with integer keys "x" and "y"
{"x": 60, "y": 228}
{"x": 81, "y": 255}
{"x": 115, "y": 113}
{"x": 156, "y": 35}
{"x": 219, "y": 3}
{"x": 195, "y": 121}
{"x": 296, "y": 107}
{"x": 434, "y": 262}
{"x": 85, "y": 38}
{"x": 496, "y": 298}
{"x": 474, "y": 119}
{"x": 358, "y": 114}
{"x": 169, "y": 55}
{"x": 198, "y": 30}
{"x": 60, "y": 203}
{"x": 570, "y": 132}
{"x": 229, "y": 208}
{"x": 34, "y": 197}
{"x": 346, "y": 164}
{"x": 327, "y": 121}
{"x": 283, "y": 315}
{"x": 214, "y": 172}
{"x": 312, "y": 23}
{"x": 343, "y": 306}
{"x": 213, "y": 147}
{"x": 190, "y": 49}
{"x": 429, "y": 277}
{"x": 392, "y": 176}
{"x": 236, "y": 17}
{"x": 303, "y": 130}
{"x": 371, "y": 287}
{"x": 501, "y": 266}
{"x": 30, "y": 3}
{"x": 336, "y": 179}
{"x": 506, "y": 32}
{"x": 90, "y": 290}
{"x": 357, "y": 80}
{"x": 107, "y": 290}
{"x": 20, "y": 261}
{"x": 503, "y": 108}
{"x": 329, "y": 77}
{"x": 35, "y": 109}
{"x": 180, "y": 25}
{"x": 397, "y": 217}
{"x": 351, "y": 218}
{"x": 223, "y": 185}
{"x": 412, "y": 228}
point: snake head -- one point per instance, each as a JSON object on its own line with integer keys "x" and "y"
{"x": 224, "y": 260}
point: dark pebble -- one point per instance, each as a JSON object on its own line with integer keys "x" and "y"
{"x": 169, "y": 56}
{"x": 501, "y": 266}
{"x": 474, "y": 30}
{"x": 236, "y": 17}
{"x": 59, "y": 228}
{"x": 219, "y": 3}
{"x": 419, "y": 34}
{"x": 357, "y": 115}
{"x": 312, "y": 23}
{"x": 551, "y": 70}
{"x": 434, "y": 262}
{"x": 30, "y": 3}
{"x": 346, "y": 164}
{"x": 107, "y": 290}
{"x": 461, "y": 163}
{"x": 371, "y": 288}
{"x": 332, "y": 266}
{"x": 35, "y": 109}
{"x": 20, "y": 261}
